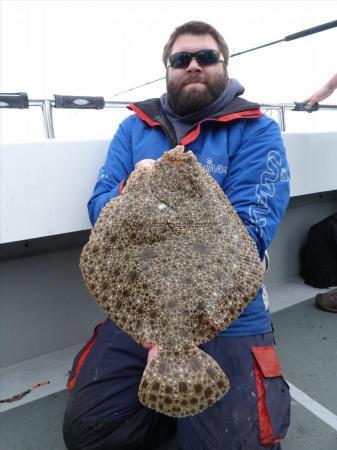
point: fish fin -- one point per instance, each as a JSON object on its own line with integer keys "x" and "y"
{"x": 181, "y": 383}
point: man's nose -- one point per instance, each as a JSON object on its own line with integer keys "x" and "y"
{"x": 194, "y": 66}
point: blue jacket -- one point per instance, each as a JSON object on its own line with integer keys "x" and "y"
{"x": 240, "y": 147}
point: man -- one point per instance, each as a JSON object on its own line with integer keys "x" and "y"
{"x": 243, "y": 150}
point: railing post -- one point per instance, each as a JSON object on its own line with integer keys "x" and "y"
{"x": 281, "y": 114}
{"x": 48, "y": 119}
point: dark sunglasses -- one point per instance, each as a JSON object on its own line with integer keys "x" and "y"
{"x": 181, "y": 60}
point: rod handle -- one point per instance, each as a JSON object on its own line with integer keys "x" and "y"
{"x": 79, "y": 102}
{"x": 17, "y": 100}
{"x": 308, "y": 31}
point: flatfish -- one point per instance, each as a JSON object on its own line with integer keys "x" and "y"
{"x": 171, "y": 263}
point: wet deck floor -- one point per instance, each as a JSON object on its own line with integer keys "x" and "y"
{"x": 306, "y": 341}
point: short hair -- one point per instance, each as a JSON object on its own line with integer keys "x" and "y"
{"x": 197, "y": 28}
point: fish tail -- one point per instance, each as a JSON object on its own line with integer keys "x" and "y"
{"x": 181, "y": 383}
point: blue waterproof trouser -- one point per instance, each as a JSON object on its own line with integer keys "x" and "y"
{"x": 104, "y": 413}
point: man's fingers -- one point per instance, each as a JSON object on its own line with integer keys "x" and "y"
{"x": 145, "y": 163}
{"x": 310, "y": 101}
{"x": 148, "y": 345}
{"x": 153, "y": 349}
{"x": 152, "y": 353}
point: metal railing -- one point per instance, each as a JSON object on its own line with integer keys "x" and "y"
{"x": 294, "y": 106}
{"x": 20, "y": 101}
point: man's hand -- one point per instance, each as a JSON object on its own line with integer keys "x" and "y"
{"x": 153, "y": 349}
{"x": 319, "y": 95}
{"x": 145, "y": 163}
{"x": 324, "y": 92}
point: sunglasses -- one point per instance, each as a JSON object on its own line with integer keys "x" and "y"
{"x": 181, "y": 60}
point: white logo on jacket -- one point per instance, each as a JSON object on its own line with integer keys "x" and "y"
{"x": 266, "y": 189}
{"x": 210, "y": 167}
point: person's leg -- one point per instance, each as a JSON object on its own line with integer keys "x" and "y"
{"x": 144, "y": 430}
{"x": 255, "y": 411}
{"x": 103, "y": 410}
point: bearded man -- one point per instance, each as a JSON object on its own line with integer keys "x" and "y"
{"x": 243, "y": 150}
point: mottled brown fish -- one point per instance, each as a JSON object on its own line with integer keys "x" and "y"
{"x": 171, "y": 263}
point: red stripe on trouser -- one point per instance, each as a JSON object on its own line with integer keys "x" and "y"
{"x": 265, "y": 426}
{"x": 85, "y": 352}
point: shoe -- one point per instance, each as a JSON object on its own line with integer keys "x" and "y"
{"x": 327, "y": 301}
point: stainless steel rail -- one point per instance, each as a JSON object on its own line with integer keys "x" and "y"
{"x": 21, "y": 101}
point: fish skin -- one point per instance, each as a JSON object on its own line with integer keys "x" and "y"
{"x": 171, "y": 263}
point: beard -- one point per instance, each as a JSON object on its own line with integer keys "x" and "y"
{"x": 185, "y": 102}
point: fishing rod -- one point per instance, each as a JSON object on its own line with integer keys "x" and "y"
{"x": 290, "y": 37}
